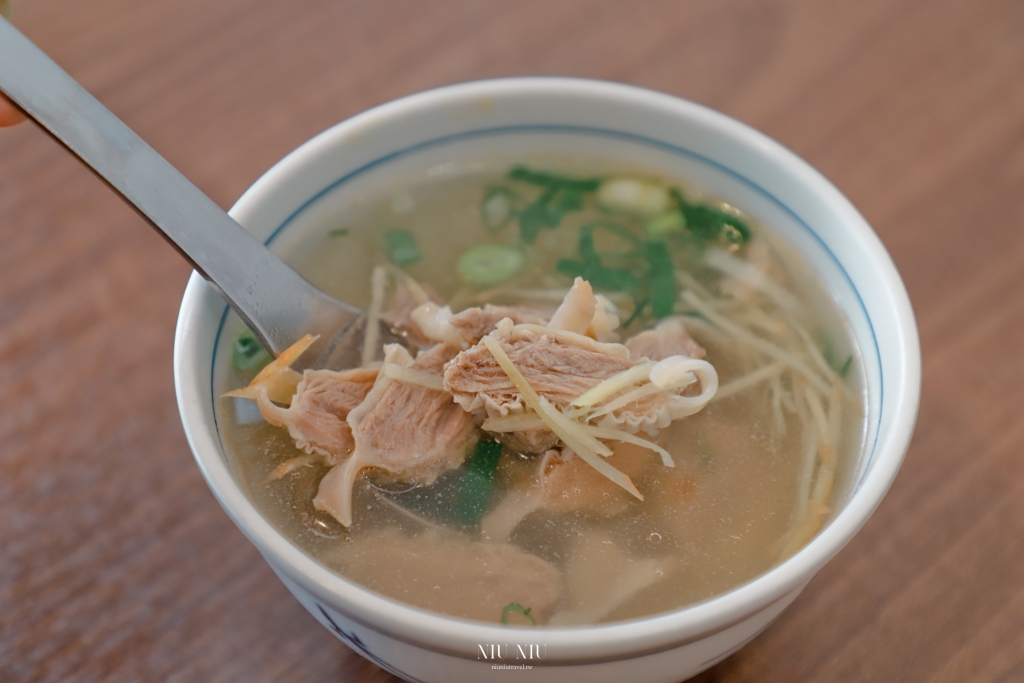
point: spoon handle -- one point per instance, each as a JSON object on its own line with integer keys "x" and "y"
{"x": 275, "y": 301}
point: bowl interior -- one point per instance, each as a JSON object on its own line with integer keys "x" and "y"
{"x": 508, "y": 121}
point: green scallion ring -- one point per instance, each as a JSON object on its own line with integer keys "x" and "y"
{"x": 489, "y": 264}
{"x": 248, "y": 354}
{"x": 516, "y": 608}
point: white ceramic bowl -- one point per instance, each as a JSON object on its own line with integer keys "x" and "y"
{"x": 608, "y": 121}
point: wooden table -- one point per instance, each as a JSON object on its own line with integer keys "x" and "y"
{"x": 116, "y": 562}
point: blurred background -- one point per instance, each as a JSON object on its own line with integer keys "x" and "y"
{"x": 116, "y": 562}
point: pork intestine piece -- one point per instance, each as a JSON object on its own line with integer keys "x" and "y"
{"x": 558, "y": 371}
{"x": 317, "y": 416}
{"x": 313, "y": 405}
{"x": 561, "y": 365}
{"x": 558, "y": 365}
{"x": 410, "y": 431}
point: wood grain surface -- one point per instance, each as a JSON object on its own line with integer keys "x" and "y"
{"x": 116, "y": 562}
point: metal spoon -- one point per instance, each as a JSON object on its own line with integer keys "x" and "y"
{"x": 274, "y": 301}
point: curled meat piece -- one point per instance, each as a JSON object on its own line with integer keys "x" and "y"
{"x": 314, "y": 405}
{"x": 317, "y": 416}
{"x": 678, "y": 387}
{"x": 559, "y": 365}
{"x": 409, "y": 427}
{"x": 566, "y": 368}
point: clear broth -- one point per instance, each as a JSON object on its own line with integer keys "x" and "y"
{"x": 737, "y": 481}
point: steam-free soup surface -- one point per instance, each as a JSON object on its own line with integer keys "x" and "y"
{"x": 540, "y": 536}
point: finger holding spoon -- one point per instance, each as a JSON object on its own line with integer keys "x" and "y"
{"x": 9, "y": 114}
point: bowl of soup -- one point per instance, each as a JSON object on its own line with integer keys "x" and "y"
{"x": 648, "y": 372}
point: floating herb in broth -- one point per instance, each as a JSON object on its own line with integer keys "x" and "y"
{"x": 523, "y": 505}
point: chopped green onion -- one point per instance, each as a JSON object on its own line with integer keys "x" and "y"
{"x": 547, "y": 212}
{"x": 338, "y": 232}
{"x": 708, "y": 223}
{"x": 248, "y": 354}
{"x": 553, "y": 180}
{"x": 593, "y": 271}
{"x": 599, "y": 277}
{"x": 516, "y": 608}
{"x": 614, "y": 280}
{"x": 489, "y": 264}
{"x": 401, "y": 247}
{"x": 637, "y": 312}
{"x": 561, "y": 195}
{"x": 572, "y": 269}
{"x": 665, "y": 224}
{"x": 497, "y": 208}
{"x": 475, "y": 493}
{"x": 735, "y": 231}
{"x": 616, "y": 229}
{"x": 828, "y": 352}
{"x": 567, "y": 201}
{"x": 662, "y": 279}
{"x": 711, "y": 223}
{"x": 538, "y": 216}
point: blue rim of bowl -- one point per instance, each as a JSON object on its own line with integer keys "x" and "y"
{"x": 585, "y": 130}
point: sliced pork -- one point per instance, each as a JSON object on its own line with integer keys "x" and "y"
{"x": 407, "y": 427}
{"x": 559, "y": 365}
{"x": 317, "y": 416}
